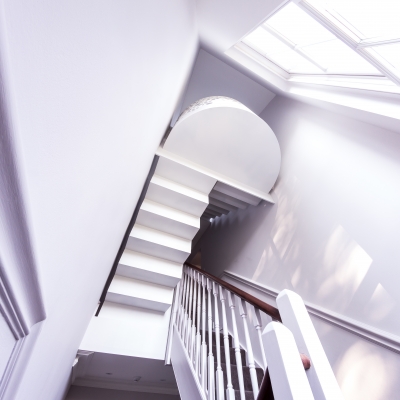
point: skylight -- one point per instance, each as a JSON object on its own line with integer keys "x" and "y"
{"x": 359, "y": 38}
{"x": 370, "y": 18}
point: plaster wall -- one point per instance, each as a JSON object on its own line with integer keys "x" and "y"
{"x": 332, "y": 236}
{"x": 213, "y": 77}
{"x": 129, "y": 331}
{"x": 86, "y": 81}
{"x": 88, "y": 393}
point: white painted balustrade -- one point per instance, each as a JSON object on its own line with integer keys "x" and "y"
{"x": 204, "y": 311}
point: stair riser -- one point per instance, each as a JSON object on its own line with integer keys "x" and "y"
{"x": 166, "y": 225}
{"x": 156, "y": 250}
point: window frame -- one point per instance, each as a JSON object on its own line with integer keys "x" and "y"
{"x": 345, "y": 32}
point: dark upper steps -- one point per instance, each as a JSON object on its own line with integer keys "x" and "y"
{"x": 234, "y": 372}
{"x": 232, "y": 355}
{"x": 246, "y": 376}
{"x": 248, "y": 395}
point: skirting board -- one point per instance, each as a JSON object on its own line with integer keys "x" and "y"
{"x": 377, "y": 336}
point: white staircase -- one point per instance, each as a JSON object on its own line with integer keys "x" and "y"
{"x": 161, "y": 238}
{"x": 183, "y": 195}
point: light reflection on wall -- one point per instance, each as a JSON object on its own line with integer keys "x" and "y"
{"x": 345, "y": 264}
{"x": 364, "y": 374}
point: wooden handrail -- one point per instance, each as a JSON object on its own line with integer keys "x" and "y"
{"x": 267, "y": 308}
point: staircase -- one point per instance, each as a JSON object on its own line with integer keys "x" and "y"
{"x": 177, "y": 199}
{"x": 218, "y": 350}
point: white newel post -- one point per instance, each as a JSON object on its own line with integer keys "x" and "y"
{"x": 288, "y": 377}
{"x": 295, "y": 316}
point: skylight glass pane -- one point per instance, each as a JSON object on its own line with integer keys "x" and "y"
{"x": 278, "y": 52}
{"x": 339, "y": 58}
{"x": 293, "y": 62}
{"x": 391, "y": 53}
{"x": 371, "y": 18}
{"x": 298, "y": 26}
{"x": 263, "y": 42}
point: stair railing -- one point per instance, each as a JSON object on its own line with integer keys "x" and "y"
{"x": 201, "y": 303}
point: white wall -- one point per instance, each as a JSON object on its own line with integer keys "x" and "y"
{"x": 212, "y": 77}
{"x": 129, "y": 331}
{"x": 7, "y": 343}
{"x": 332, "y": 236}
{"x": 94, "y": 85}
{"x": 88, "y": 393}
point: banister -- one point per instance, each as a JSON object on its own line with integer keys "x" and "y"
{"x": 267, "y": 308}
{"x": 265, "y": 392}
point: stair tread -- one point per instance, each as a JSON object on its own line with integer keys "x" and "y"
{"x": 247, "y": 393}
{"x": 177, "y": 187}
{"x": 170, "y": 213}
{"x": 161, "y": 238}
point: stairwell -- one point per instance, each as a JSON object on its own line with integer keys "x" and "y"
{"x": 181, "y": 199}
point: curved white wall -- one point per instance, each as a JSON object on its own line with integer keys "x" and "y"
{"x": 225, "y": 137}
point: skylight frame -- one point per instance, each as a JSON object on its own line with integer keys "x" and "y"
{"x": 345, "y": 32}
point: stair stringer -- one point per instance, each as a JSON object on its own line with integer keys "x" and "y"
{"x": 188, "y": 384}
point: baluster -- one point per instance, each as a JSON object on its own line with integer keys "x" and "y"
{"x": 184, "y": 313}
{"x": 203, "y": 344}
{"x": 250, "y": 356}
{"x": 230, "y": 393}
{"x": 258, "y": 326}
{"x": 189, "y": 321}
{"x": 172, "y": 326}
{"x": 193, "y": 329}
{"x": 198, "y": 336}
{"x": 210, "y": 352}
{"x": 178, "y": 293}
{"x": 181, "y": 305}
{"x": 236, "y": 345}
{"x": 219, "y": 374}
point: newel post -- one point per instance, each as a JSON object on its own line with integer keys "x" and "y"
{"x": 285, "y": 367}
{"x": 296, "y": 318}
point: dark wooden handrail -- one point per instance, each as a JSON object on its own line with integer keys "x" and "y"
{"x": 267, "y": 308}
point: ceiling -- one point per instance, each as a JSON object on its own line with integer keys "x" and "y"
{"x": 113, "y": 371}
{"x": 223, "y": 23}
